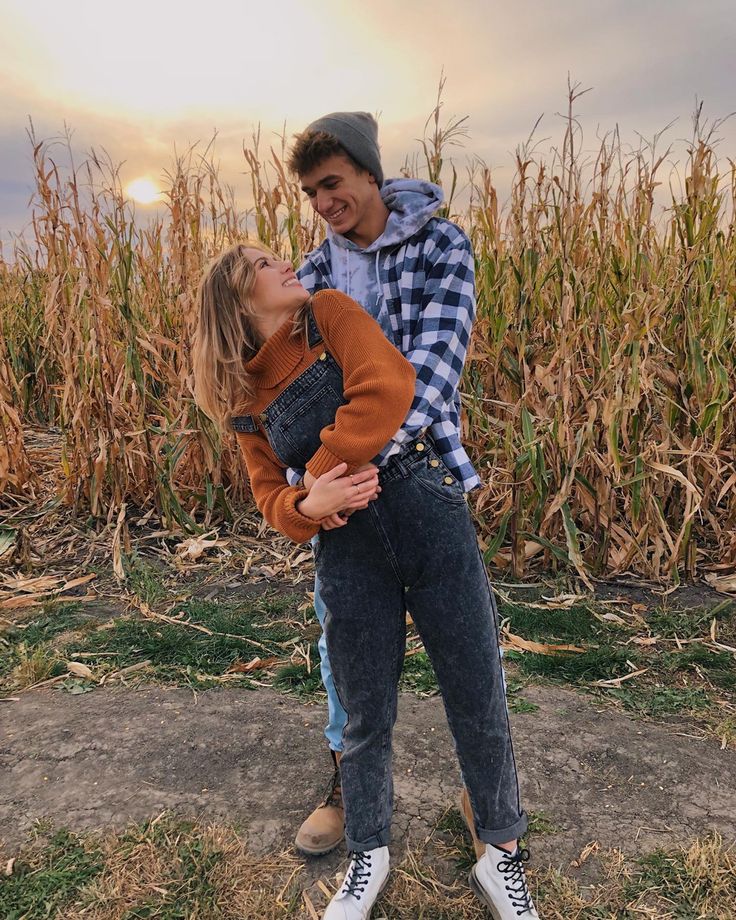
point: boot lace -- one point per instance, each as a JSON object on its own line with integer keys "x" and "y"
{"x": 333, "y": 793}
{"x": 512, "y": 868}
{"x": 358, "y": 874}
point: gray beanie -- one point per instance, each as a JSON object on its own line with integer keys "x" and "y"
{"x": 357, "y": 132}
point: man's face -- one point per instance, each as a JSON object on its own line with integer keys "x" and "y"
{"x": 339, "y": 193}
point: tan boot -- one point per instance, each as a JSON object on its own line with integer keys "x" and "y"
{"x": 325, "y": 827}
{"x": 467, "y": 813}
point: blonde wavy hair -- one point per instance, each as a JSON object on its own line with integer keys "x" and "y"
{"x": 226, "y": 336}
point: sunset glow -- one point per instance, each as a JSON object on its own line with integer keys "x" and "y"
{"x": 168, "y": 78}
{"x": 143, "y": 190}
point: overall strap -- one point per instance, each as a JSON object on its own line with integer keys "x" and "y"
{"x": 314, "y": 336}
{"x": 245, "y": 424}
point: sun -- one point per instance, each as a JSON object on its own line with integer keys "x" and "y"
{"x": 143, "y": 190}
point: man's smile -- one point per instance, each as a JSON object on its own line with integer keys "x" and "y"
{"x": 335, "y": 214}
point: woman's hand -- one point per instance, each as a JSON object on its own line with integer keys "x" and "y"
{"x": 368, "y": 497}
{"x": 309, "y": 481}
{"x": 333, "y": 492}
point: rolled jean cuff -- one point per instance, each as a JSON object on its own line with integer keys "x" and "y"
{"x": 379, "y": 839}
{"x": 512, "y": 832}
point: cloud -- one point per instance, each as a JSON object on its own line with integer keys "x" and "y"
{"x": 505, "y": 65}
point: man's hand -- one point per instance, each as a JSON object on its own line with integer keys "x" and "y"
{"x": 308, "y": 480}
{"x": 332, "y": 521}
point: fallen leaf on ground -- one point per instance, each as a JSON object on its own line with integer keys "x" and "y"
{"x": 512, "y": 641}
{"x": 310, "y": 907}
{"x": 40, "y": 583}
{"x": 79, "y": 670}
{"x": 586, "y": 852}
{"x": 617, "y": 681}
{"x": 724, "y": 583}
{"x": 195, "y": 547}
{"x": 562, "y": 600}
{"x": 78, "y": 581}
{"x": 19, "y": 601}
{"x": 255, "y": 664}
{"x": 611, "y": 618}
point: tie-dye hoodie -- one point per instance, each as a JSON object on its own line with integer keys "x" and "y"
{"x": 411, "y": 204}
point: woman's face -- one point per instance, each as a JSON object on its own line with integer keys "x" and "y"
{"x": 276, "y": 288}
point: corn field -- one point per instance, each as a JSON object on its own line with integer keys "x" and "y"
{"x": 599, "y": 394}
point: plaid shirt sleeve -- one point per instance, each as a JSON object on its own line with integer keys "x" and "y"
{"x": 442, "y": 333}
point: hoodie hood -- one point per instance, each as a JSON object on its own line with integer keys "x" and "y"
{"x": 411, "y": 203}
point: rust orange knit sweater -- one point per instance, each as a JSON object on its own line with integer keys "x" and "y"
{"x": 378, "y": 385}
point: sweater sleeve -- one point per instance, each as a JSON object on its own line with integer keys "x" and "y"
{"x": 276, "y": 499}
{"x": 378, "y": 384}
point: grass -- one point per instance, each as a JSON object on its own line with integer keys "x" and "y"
{"x": 204, "y": 643}
{"x": 718, "y": 667}
{"x": 49, "y": 877}
{"x": 30, "y": 656}
{"x": 236, "y": 633}
{"x": 418, "y": 675}
{"x": 603, "y": 663}
{"x": 661, "y": 702}
{"x": 689, "y": 622}
{"x": 208, "y": 643}
{"x": 176, "y": 869}
{"x": 54, "y": 620}
{"x": 569, "y": 624}
{"x": 229, "y": 634}
{"x": 302, "y": 679}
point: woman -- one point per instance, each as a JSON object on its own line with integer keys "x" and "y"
{"x": 313, "y": 383}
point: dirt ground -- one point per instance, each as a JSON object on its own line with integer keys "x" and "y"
{"x": 258, "y": 760}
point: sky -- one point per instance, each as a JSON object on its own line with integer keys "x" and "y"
{"x": 144, "y": 78}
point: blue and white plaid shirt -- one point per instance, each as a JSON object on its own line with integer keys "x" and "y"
{"x": 428, "y": 284}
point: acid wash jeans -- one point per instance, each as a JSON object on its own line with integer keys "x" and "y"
{"x": 413, "y": 548}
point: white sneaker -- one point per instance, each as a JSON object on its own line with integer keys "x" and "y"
{"x": 364, "y": 881}
{"x": 499, "y": 881}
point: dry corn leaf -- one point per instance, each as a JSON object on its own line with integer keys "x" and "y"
{"x": 310, "y": 907}
{"x": 586, "y": 853}
{"x": 724, "y": 583}
{"x": 611, "y": 618}
{"x": 195, "y": 547}
{"x": 41, "y": 584}
{"x": 255, "y": 664}
{"x": 76, "y": 582}
{"x": 617, "y": 681}
{"x": 22, "y": 600}
{"x": 511, "y": 641}
{"x": 79, "y": 670}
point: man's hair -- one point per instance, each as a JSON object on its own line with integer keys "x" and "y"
{"x": 312, "y": 148}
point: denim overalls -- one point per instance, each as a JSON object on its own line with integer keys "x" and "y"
{"x": 413, "y": 548}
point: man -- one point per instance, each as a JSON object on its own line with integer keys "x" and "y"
{"x": 414, "y": 273}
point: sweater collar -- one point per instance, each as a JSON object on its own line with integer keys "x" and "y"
{"x": 277, "y": 357}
